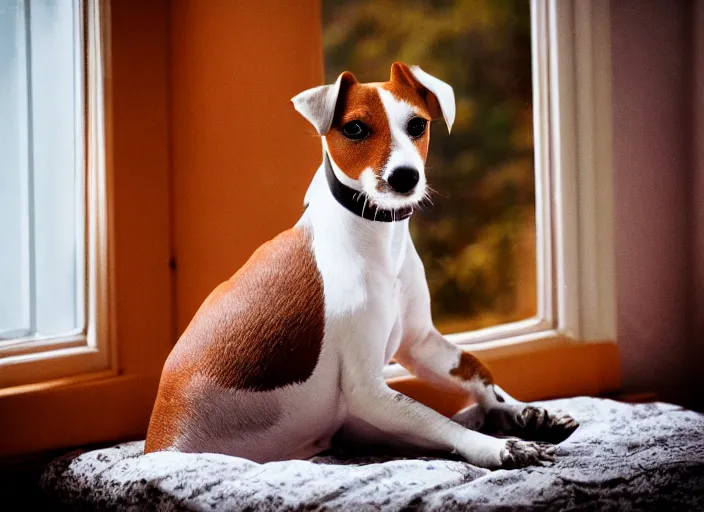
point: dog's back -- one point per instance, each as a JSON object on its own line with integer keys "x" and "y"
{"x": 253, "y": 340}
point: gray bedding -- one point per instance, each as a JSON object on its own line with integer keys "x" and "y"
{"x": 623, "y": 457}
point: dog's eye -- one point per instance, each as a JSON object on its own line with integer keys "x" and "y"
{"x": 355, "y": 130}
{"x": 416, "y": 126}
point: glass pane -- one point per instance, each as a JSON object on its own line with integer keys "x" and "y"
{"x": 41, "y": 169}
{"x": 57, "y": 163}
{"x": 478, "y": 240}
{"x": 14, "y": 256}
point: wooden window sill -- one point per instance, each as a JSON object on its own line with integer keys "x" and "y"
{"x": 74, "y": 412}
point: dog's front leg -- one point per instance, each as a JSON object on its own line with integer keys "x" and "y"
{"x": 434, "y": 359}
{"x": 405, "y": 421}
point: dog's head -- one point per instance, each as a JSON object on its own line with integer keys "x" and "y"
{"x": 377, "y": 134}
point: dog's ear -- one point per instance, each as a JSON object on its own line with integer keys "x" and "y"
{"x": 438, "y": 95}
{"x": 317, "y": 105}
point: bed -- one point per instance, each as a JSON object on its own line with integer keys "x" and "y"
{"x": 622, "y": 457}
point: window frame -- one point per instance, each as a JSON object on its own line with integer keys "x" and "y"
{"x": 36, "y": 359}
{"x": 115, "y": 403}
{"x": 570, "y": 46}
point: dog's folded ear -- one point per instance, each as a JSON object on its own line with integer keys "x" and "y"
{"x": 438, "y": 95}
{"x": 317, "y": 105}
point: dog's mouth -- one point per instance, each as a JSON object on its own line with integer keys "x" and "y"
{"x": 382, "y": 195}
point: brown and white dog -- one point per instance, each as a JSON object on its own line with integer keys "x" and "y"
{"x": 289, "y": 351}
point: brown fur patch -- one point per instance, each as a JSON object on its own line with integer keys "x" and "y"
{"x": 358, "y": 102}
{"x": 260, "y": 330}
{"x": 172, "y": 405}
{"x": 470, "y": 367}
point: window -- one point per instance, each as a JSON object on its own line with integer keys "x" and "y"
{"x": 519, "y": 243}
{"x": 52, "y": 261}
{"x": 477, "y": 241}
{"x": 41, "y": 132}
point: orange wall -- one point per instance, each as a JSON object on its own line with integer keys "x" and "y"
{"x": 141, "y": 161}
{"x": 242, "y": 157}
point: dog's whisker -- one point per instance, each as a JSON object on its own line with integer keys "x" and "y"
{"x": 430, "y": 190}
{"x": 433, "y": 191}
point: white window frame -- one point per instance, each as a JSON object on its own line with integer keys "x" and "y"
{"x": 571, "y": 60}
{"x": 90, "y": 352}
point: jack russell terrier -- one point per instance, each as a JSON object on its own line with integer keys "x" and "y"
{"x": 289, "y": 351}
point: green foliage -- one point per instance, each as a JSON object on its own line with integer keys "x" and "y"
{"x": 483, "y": 173}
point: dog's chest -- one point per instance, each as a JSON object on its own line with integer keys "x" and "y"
{"x": 395, "y": 336}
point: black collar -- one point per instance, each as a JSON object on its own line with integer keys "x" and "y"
{"x": 356, "y": 201}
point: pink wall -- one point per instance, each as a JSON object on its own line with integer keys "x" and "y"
{"x": 652, "y": 104}
{"x": 697, "y": 357}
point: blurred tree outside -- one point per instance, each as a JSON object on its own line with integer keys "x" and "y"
{"x": 478, "y": 240}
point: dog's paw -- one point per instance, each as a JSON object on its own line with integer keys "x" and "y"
{"x": 472, "y": 417}
{"x": 538, "y": 424}
{"x": 531, "y": 423}
{"x": 520, "y": 454}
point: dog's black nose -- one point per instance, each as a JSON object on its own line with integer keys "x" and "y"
{"x": 404, "y": 179}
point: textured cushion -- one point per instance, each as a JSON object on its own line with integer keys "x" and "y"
{"x": 622, "y": 456}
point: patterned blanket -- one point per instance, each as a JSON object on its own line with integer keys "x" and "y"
{"x": 623, "y": 457}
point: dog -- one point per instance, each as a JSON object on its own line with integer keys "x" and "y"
{"x": 286, "y": 357}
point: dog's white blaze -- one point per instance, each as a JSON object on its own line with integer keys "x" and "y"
{"x": 403, "y": 152}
